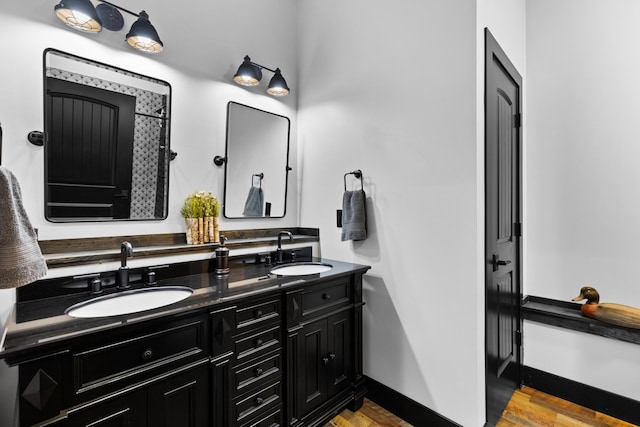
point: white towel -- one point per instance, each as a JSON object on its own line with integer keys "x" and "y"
{"x": 21, "y": 261}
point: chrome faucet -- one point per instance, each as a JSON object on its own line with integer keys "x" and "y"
{"x": 279, "y": 250}
{"x": 126, "y": 250}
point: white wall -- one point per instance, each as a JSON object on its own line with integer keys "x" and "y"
{"x": 391, "y": 90}
{"x": 582, "y": 151}
{"x": 419, "y": 141}
{"x": 203, "y": 48}
{"x": 204, "y": 42}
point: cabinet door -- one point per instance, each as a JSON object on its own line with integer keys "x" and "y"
{"x": 312, "y": 379}
{"x": 220, "y": 401}
{"x": 181, "y": 399}
{"x": 339, "y": 352}
{"x": 128, "y": 410}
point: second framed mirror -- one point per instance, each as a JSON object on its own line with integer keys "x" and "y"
{"x": 257, "y": 163}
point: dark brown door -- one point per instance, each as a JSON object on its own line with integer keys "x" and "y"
{"x": 90, "y": 134}
{"x": 503, "y": 226}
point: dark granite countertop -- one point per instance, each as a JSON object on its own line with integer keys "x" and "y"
{"x": 48, "y": 324}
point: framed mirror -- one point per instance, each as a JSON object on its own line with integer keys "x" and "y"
{"x": 257, "y": 163}
{"x": 106, "y": 141}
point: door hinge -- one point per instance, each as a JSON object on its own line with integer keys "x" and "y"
{"x": 517, "y": 120}
{"x": 517, "y": 229}
{"x": 518, "y": 338}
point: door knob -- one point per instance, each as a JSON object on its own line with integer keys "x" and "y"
{"x": 498, "y": 262}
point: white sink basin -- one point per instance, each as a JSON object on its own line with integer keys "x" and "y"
{"x": 129, "y": 302}
{"x": 301, "y": 269}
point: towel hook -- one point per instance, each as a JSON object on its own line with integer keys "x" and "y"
{"x": 358, "y": 174}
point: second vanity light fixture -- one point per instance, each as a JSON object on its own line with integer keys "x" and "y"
{"x": 83, "y": 16}
{"x": 250, "y": 74}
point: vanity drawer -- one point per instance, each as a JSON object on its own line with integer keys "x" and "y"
{"x": 257, "y": 373}
{"x": 257, "y": 314}
{"x": 129, "y": 358}
{"x": 254, "y": 344}
{"x": 326, "y": 296}
{"x": 273, "y": 418}
{"x": 246, "y": 408}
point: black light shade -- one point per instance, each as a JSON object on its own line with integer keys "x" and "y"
{"x": 248, "y": 74}
{"x": 79, "y": 14}
{"x": 278, "y": 85}
{"x": 143, "y": 36}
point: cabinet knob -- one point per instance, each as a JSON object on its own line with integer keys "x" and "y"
{"x": 259, "y": 342}
{"x": 147, "y": 354}
{"x": 258, "y": 314}
{"x": 259, "y": 400}
{"x": 326, "y": 297}
{"x": 328, "y": 358}
{"x": 259, "y": 372}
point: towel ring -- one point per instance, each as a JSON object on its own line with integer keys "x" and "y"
{"x": 259, "y": 175}
{"x": 358, "y": 174}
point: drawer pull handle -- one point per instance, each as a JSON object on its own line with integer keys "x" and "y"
{"x": 259, "y": 343}
{"x": 147, "y": 354}
{"x": 326, "y": 297}
{"x": 259, "y": 400}
{"x": 259, "y": 372}
{"x": 258, "y": 314}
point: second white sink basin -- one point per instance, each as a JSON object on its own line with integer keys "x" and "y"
{"x": 129, "y": 302}
{"x": 301, "y": 269}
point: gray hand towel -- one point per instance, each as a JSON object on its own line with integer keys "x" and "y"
{"x": 21, "y": 261}
{"x": 255, "y": 200}
{"x": 354, "y": 215}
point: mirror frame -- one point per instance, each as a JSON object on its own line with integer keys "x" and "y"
{"x": 226, "y": 164}
{"x": 165, "y": 146}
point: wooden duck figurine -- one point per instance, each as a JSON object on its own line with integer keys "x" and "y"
{"x": 615, "y": 314}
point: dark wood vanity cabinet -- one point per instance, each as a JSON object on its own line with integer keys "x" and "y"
{"x": 247, "y": 360}
{"x": 288, "y": 356}
{"x": 180, "y": 399}
{"x": 155, "y": 374}
{"x": 324, "y": 350}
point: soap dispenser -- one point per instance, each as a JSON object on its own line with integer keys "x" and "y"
{"x": 222, "y": 259}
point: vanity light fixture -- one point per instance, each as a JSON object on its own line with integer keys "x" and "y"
{"x": 83, "y": 16}
{"x": 79, "y": 15}
{"x": 249, "y": 74}
{"x": 143, "y": 36}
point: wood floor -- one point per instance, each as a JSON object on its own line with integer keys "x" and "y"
{"x": 527, "y": 408}
{"x": 370, "y": 415}
{"x": 532, "y": 408}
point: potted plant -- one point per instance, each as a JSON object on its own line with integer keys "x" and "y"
{"x": 211, "y": 208}
{"x": 200, "y": 211}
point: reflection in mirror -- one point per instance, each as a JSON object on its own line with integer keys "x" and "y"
{"x": 107, "y": 141}
{"x": 257, "y": 163}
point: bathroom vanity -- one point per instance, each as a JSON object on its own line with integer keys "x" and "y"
{"x": 248, "y": 349}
